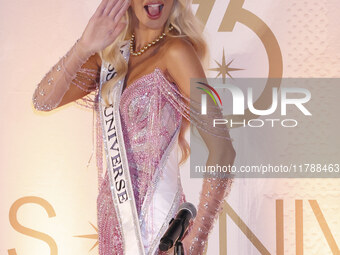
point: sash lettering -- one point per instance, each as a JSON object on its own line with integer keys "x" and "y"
{"x": 115, "y": 157}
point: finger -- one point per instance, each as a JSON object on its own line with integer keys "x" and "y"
{"x": 120, "y": 27}
{"x": 111, "y": 4}
{"x": 101, "y": 8}
{"x": 116, "y": 8}
{"x": 121, "y": 12}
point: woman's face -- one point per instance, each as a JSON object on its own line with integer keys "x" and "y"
{"x": 152, "y": 13}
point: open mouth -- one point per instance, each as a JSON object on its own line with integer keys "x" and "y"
{"x": 154, "y": 10}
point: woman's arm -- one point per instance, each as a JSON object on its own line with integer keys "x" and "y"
{"x": 80, "y": 66}
{"x": 75, "y": 75}
{"x": 184, "y": 64}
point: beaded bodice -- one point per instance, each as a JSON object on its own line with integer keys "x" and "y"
{"x": 151, "y": 111}
{"x": 148, "y": 122}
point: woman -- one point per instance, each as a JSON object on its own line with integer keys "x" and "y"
{"x": 139, "y": 57}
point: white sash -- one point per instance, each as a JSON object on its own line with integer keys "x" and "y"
{"x": 119, "y": 175}
{"x": 164, "y": 193}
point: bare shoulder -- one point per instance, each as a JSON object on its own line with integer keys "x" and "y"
{"x": 180, "y": 48}
{"x": 180, "y": 42}
{"x": 182, "y": 62}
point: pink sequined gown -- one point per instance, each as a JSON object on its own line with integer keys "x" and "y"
{"x": 136, "y": 107}
{"x": 151, "y": 111}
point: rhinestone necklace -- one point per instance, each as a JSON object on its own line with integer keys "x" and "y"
{"x": 147, "y": 46}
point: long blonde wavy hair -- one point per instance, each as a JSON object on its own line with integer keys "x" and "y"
{"x": 187, "y": 25}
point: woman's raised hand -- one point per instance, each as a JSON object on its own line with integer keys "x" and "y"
{"x": 105, "y": 25}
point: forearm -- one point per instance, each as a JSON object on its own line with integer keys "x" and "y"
{"x": 51, "y": 89}
{"x": 214, "y": 191}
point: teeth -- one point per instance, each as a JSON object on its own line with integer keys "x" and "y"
{"x": 154, "y": 9}
{"x": 154, "y": 5}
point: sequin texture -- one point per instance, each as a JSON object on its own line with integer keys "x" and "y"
{"x": 149, "y": 122}
{"x": 151, "y": 110}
